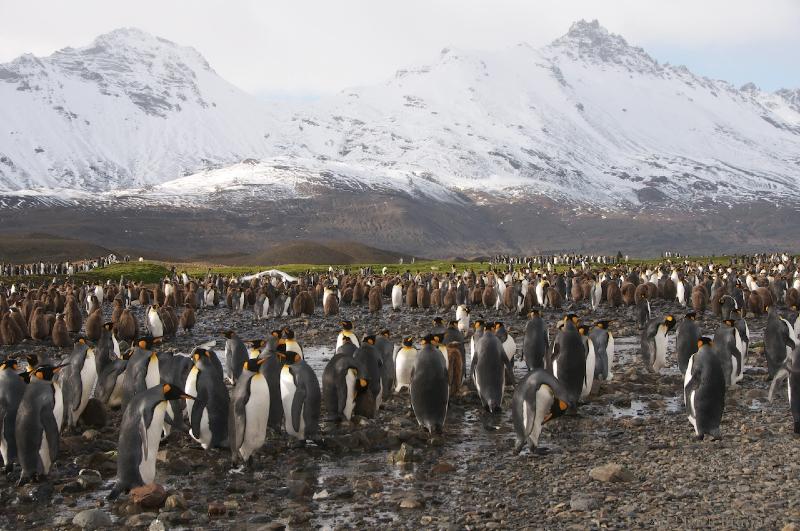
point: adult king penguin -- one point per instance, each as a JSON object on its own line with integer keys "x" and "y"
{"x": 537, "y": 400}
{"x": 704, "y": 390}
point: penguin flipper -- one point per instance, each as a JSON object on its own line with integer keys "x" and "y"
{"x": 341, "y": 398}
{"x": 51, "y": 431}
{"x": 238, "y": 420}
{"x": 297, "y": 407}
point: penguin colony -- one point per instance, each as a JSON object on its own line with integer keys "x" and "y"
{"x": 231, "y": 401}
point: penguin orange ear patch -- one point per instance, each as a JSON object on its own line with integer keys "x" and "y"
{"x": 166, "y": 388}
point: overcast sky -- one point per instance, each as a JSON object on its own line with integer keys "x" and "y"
{"x": 305, "y": 48}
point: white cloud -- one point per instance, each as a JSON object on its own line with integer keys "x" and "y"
{"x": 323, "y": 46}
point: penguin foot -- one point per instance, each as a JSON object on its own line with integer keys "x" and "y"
{"x": 517, "y": 448}
{"x": 797, "y": 428}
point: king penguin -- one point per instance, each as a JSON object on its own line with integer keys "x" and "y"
{"x": 38, "y": 424}
{"x": 603, "y": 341}
{"x": 249, "y": 412}
{"x": 537, "y": 399}
{"x": 535, "y": 342}
{"x": 78, "y": 380}
{"x": 209, "y": 413}
{"x": 704, "y": 390}
{"x": 347, "y": 330}
{"x": 12, "y": 387}
{"x": 489, "y": 370}
{"x": 404, "y": 360}
{"x": 301, "y": 398}
{"x": 688, "y": 333}
{"x": 654, "y": 343}
{"x": 140, "y": 435}
{"x": 429, "y": 389}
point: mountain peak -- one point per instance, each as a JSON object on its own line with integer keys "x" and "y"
{"x": 592, "y": 42}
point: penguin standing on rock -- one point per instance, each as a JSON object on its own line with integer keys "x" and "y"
{"x": 386, "y": 349}
{"x": 704, "y": 390}
{"x": 591, "y": 361}
{"x": 779, "y": 341}
{"x": 654, "y": 343}
{"x": 429, "y": 389}
{"x": 726, "y": 346}
{"x": 140, "y": 435}
{"x": 78, "y": 380}
{"x": 38, "y": 424}
{"x": 370, "y": 359}
{"x": 537, "y": 399}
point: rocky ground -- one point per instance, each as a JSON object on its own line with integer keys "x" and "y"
{"x": 627, "y": 459}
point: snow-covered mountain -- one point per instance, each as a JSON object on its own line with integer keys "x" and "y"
{"x": 128, "y": 110}
{"x": 588, "y": 118}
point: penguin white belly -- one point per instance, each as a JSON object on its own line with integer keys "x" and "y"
{"x": 734, "y": 371}
{"x": 397, "y": 297}
{"x": 444, "y": 355}
{"x": 117, "y": 352}
{"x": 681, "y": 294}
{"x": 288, "y": 390}
{"x": 58, "y": 408}
{"x": 403, "y": 365}
{"x": 88, "y": 381}
{"x": 350, "y": 403}
{"x": 351, "y": 335}
{"x": 191, "y": 389}
{"x": 692, "y": 418}
{"x": 510, "y": 348}
{"x": 540, "y": 295}
{"x": 44, "y": 454}
{"x": 153, "y": 377}
{"x": 209, "y": 299}
{"x": 256, "y": 414}
{"x": 152, "y": 436}
{"x": 544, "y": 401}
{"x": 660, "y": 359}
{"x": 286, "y": 306}
{"x": 610, "y": 356}
{"x": 265, "y": 308}
{"x": 155, "y": 325}
{"x": 588, "y": 380}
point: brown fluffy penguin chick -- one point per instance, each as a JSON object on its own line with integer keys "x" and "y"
{"x": 94, "y": 325}
{"x": 375, "y": 302}
{"x": 144, "y": 297}
{"x": 628, "y": 290}
{"x": 699, "y": 299}
{"x": 331, "y": 306}
{"x": 38, "y": 325}
{"x": 455, "y": 369}
{"x": 423, "y": 297}
{"x": 613, "y": 295}
{"x": 10, "y": 333}
{"x": 117, "y": 311}
{"x": 126, "y": 326}
{"x": 72, "y": 315}
{"x": 188, "y": 318}
{"x": 60, "y": 336}
{"x": 303, "y": 304}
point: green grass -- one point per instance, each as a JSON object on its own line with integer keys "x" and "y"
{"x": 153, "y": 272}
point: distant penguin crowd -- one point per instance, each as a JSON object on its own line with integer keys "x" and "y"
{"x": 231, "y": 398}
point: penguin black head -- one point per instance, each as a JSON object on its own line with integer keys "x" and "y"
{"x": 172, "y": 392}
{"x": 385, "y": 333}
{"x": 452, "y": 324}
{"x": 32, "y": 359}
{"x": 533, "y": 313}
{"x": 498, "y": 325}
{"x": 275, "y": 333}
{"x": 669, "y": 320}
{"x": 436, "y": 339}
{"x": 408, "y": 341}
{"x": 9, "y": 363}
{"x": 288, "y": 333}
{"x": 253, "y": 364}
{"x": 346, "y": 325}
{"x": 361, "y": 383}
{"x": 147, "y": 343}
{"x": 427, "y": 339}
{"x": 369, "y": 339}
{"x": 437, "y": 321}
{"x": 704, "y": 342}
{"x": 729, "y": 322}
{"x": 480, "y": 323}
{"x": 108, "y": 326}
{"x": 583, "y": 330}
{"x": 291, "y": 357}
{"x": 258, "y": 343}
{"x": 200, "y": 353}
{"x": 228, "y": 333}
{"x": 558, "y": 408}
{"x": 603, "y": 324}
{"x": 690, "y": 315}
{"x": 46, "y": 372}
